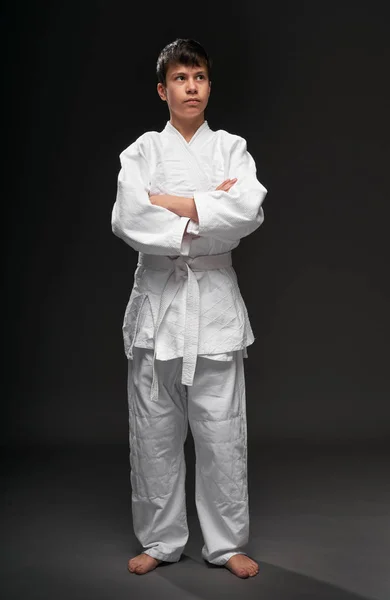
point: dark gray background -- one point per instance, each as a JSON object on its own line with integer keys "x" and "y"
{"x": 306, "y": 83}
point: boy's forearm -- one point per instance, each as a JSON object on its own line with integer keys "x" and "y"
{"x": 183, "y": 207}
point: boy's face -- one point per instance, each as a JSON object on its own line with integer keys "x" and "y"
{"x": 187, "y": 90}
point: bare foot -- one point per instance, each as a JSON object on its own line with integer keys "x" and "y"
{"x": 142, "y": 564}
{"x": 242, "y": 566}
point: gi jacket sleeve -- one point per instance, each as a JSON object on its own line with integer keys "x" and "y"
{"x": 230, "y": 216}
{"x": 143, "y": 226}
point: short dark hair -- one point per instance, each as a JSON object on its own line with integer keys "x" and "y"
{"x": 184, "y": 52}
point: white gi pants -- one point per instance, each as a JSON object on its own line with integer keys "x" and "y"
{"x": 215, "y": 408}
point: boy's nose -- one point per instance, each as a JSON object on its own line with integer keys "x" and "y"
{"x": 191, "y": 85}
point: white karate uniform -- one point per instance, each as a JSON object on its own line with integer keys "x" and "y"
{"x": 186, "y": 312}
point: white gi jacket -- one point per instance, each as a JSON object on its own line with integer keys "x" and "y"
{"x": 165, "y": 163}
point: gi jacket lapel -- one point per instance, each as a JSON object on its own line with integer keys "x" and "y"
{"x": 190, "y": 156}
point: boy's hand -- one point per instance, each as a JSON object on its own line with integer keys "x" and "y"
{"x": 226, "y": 185}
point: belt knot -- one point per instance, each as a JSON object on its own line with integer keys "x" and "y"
{"x": 180, "y": 268}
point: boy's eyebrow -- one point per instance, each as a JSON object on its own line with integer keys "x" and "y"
{"x": 201, "y": 72}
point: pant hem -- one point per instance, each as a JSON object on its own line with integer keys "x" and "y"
{"x": 171, "y": 557}
{"x": 222, "y": 560}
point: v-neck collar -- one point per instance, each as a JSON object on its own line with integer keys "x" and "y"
{"x": 172, "y": 129}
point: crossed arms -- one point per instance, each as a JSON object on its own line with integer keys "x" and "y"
{"x": 155, "y": 224}
{"x": 185, "y": 207}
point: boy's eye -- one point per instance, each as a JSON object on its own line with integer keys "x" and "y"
{"x": 181, "y": 77}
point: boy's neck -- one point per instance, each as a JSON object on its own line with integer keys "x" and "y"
{"x": 187, "y": 127}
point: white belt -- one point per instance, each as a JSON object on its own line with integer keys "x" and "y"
{"x": 182, "y": 267}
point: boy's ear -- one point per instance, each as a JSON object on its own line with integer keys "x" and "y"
{"x": 161, "y": 91}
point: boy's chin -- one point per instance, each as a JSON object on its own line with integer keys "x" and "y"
{"x": 191, "y": 114}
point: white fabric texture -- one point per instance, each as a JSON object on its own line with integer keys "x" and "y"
{"x": 215, "y": 408}
{"x": 164, "y": 163}
{"x": 179, "y": 268}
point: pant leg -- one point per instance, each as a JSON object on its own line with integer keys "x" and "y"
{"x": 157, "y": 432}
{"x": 217, "y": 417}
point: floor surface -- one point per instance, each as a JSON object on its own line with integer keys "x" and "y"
{"x": 320, "y": 527}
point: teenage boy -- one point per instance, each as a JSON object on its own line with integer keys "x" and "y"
{"x": 186, "y": 196}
